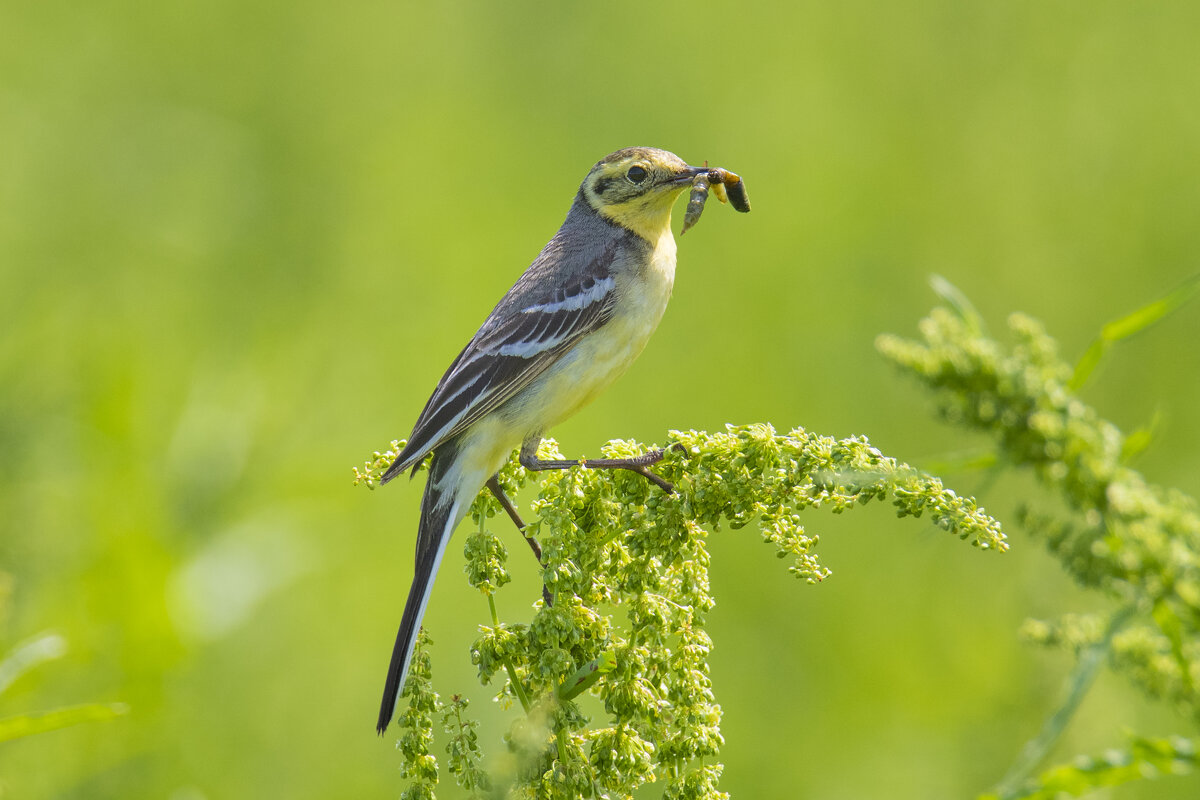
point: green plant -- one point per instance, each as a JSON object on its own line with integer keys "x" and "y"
{"x": 1133, "y": 541}
{"x": 27, "y": 656}
{"x": 627, "y": 566}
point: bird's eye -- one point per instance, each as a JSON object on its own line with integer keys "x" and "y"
{"x": 636, "y": 174}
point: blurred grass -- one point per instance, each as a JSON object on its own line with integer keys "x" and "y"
{"x": 239, "y": 243}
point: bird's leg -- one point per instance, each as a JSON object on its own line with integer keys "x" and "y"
{"x": 493, "y": 484}
{"x": 639, "y": 464}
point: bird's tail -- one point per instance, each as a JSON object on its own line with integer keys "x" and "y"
{"x": 442, "y": 507}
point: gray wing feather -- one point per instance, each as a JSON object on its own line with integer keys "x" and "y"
{"x": 532, "y": 327}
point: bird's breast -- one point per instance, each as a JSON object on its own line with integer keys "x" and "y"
{"x": 644, "y": 289}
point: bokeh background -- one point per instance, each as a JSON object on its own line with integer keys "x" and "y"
{"x": 239, "y": 242}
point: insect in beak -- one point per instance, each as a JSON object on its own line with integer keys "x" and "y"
{"x": 727, "y": 186}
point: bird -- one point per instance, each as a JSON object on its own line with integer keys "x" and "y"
{"x": 571, "y": 324}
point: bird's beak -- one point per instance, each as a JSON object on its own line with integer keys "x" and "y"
{"x": 689, "y": 174}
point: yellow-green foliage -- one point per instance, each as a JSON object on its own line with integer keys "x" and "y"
{"x": 627, "y": 565}
{"x": 1136, "y": 542}
{"x": 1141, "y": 759}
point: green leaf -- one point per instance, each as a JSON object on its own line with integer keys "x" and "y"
{"x": 1137, "y": 441}
{"x": 959, "y": 302}
{"x": 1128, "y": 325}
{"x": 27, "y": 655}
{"x": 587, "y": 675}
{"x": 1088, "y": 362}
{"x": 23, "y": 725}
{"x": 1143, "y": 759}
{"x": 1150, "y": 313}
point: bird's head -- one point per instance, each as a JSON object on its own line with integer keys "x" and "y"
{"x": 636, "y": 188}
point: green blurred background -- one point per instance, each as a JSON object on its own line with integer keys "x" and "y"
{"x": 239, "y": 242}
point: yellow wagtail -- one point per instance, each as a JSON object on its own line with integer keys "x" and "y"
{"x": 570, "y": 325}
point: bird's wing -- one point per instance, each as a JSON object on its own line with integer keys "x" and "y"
{"x": 530, "y": 329}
